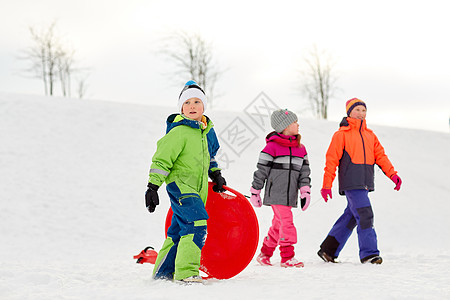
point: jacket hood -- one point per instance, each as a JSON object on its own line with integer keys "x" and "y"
{"x": 175, "y": 120}
{"x": 348, "y": 123}
{"x": 285, "y": 140}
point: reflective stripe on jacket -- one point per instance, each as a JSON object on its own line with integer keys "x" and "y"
{"x": 283, "y": 167}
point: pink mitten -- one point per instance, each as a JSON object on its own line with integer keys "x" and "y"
{"x": 397, "y": 181}
{"x": 325, "y": 193}
{"x": 305, "y": 197}
{"x": 255, "y": 199}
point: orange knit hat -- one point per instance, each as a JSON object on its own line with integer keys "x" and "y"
{"x": 350, "y": 105}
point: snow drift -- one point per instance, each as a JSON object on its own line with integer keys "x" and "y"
{"x": 73, "y": 176}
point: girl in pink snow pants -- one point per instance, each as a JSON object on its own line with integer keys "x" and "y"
{"x": 283, "y": 168}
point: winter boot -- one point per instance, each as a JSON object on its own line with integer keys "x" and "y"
{"x": 326, "y": 257}
{"x": 263, "y": 260}
{"x": 191, "y": 279}
{"x": 287, "y": 257}
{"x": 373, "y": 259}
{"x": 293, "y": 262}
{"x": 265, "y": 255}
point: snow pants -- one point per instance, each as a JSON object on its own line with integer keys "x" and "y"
{"x": 358, "y": 213}
{"x": 282, "y": 233}
{"x": 180, "y": 255}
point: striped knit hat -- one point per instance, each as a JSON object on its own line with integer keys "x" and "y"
{"x": 192, "y": 90}
{"x": 352, "y": 103}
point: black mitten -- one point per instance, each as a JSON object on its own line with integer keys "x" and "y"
{"x": 151, "y": 197}
{"x": 218, "y": 180}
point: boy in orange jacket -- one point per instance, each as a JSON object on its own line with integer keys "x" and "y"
{"x": 355, "y": 149}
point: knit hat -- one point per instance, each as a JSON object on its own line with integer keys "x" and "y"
{"x": 282, "y": 118}
{"x": 352, "y": 103}
{"x": 191, "y": 90}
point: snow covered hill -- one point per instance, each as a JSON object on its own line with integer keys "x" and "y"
{"x": 72, "y": 180}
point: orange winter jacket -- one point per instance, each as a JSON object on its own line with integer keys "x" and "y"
{"x": 355, "y": 149}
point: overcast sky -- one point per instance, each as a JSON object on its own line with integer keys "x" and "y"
{"x": 392, "y": 54}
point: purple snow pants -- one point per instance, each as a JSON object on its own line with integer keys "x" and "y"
{"x": 358, "y": 213}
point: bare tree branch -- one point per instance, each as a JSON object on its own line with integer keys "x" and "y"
{"x": 82, "y": 87}
{"x": 193, "y": 58}
{"x": 318, "y": 82}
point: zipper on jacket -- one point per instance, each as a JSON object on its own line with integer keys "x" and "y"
{"x": 203, "y": 137}
{"x": 364, "y": 151}
{"x": 270, "y": 188}
{"x": 185, "y": 197}
{"x": 181, "y": 198}
{"x": 289, "y": 178}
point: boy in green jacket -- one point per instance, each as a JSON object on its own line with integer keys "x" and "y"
{"x": 183, "y": 160}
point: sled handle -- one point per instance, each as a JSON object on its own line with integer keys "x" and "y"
{"x": 236, "y": 193}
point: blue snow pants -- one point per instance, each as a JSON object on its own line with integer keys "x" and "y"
{"x": 179, "y": 257}
{"x": 358, "y": 213}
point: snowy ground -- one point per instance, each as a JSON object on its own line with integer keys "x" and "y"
{"x": 72, "y": 181}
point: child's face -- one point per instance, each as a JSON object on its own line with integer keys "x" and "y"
{"x": 193, "y": 108}
{"x": 359, "y": 112}
{"x": 292, "y": 129}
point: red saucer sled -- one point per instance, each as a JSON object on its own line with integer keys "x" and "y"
{"x": 233, "y": 234}
{"x": 148, "y": 255}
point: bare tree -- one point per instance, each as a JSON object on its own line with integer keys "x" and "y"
{"x": 43, "y": 56}
{"x": 319, "y": 81}
{"x": 50, "y": 60}
{"x": 82, "y": 87}
{"x": 65, "y": 69}
{"x": 193, "y": 58}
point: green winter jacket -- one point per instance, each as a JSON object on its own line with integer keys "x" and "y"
{"x": 183, "y": 155}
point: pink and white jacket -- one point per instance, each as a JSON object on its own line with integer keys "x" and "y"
{"x": 283, "y": 167}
